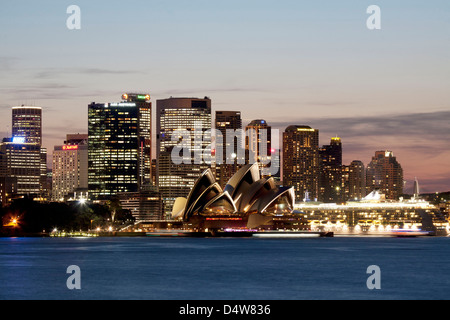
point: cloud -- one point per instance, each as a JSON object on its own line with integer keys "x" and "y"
{"x": 207, "y": 91}
{"x": 54, "y": 72}
{"x": 7, "y": 63}
{"x": 431, "y": 125}
{"x": 104, "y": 71}
{"x": 420, "y": 141}
{"x": 49, "y": 91}
{"x": 37, "y": 92}
{"x": 336, "y": 104}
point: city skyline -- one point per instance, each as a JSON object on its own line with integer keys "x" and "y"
{"x": 409, "y": 182}
{"x": 220, "y": 156}
{"x": 315, "y": 64}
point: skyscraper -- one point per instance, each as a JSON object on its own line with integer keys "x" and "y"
{"x": 227, "y": 122}
{"x": 21, "y": 161}
{"x": 119, "y": 154}
{"x": 357, "y": 181}
{"x": 46, "y": 188}
{"x": 344, "y": 190}
{"x": 301, "y": 160}
{"x": 27, "y": 123}
{"x": 185, "y": 123}
{"x": 24, "y": 160}
{"x": 258, "y": 144}
{"x": 331, "y": 172}
{"x": 385, "y": 173}
{"x": 70, "y": 167}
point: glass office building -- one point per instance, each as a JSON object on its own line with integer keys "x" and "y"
{"x": 227, "y": 122}
{"x": 193, "y": 116}
{"x": 119, "y": 154}
{"x": 22, "y": 158}
{"x": 27, "y": 123}
{"x": 22, "y": 161}
{"x": 301, "y": 161}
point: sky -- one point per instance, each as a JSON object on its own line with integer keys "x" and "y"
{"x": 289, "y": 62}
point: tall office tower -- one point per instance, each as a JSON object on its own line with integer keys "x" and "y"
{"x": 301, "y": 161}
{"x": 27, "y": 123}
{"x": 343, "y": 191}
{"x": 45, "y": 193}
{"x": 21, "y": 161}
{"x": 258, "y": 144}
{"x": 119, "y": 156}
{"x": 182, "y": 123}
{"x": 330, "y": 180}
{"x": 8, "y": 184}
{"x": 145, "y": 135}
{"x": 357, "y": 180}
{"x": 70, "y": 167}
{"x": 385, "y": 174}
{"x": 228, "y": 122}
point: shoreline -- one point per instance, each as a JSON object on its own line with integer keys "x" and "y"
{"x": 187, "y": 234}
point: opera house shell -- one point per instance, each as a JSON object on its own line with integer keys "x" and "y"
{"x": 248, "y": 200}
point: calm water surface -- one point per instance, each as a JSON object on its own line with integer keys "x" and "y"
{"x": 225, "y": 269}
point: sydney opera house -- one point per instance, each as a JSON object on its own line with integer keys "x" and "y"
{"x": 248, "y": 201}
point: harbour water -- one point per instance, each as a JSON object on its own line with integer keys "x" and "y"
{"x": 225, "y": 268}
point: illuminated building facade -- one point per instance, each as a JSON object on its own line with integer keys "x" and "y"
{"x": 7, "y": 187}
{"x": 27, "y": 123}
{"x": 119, "y": 156}
{"x": 356, "y": 181}
{"x": 193, "y": 116}
{"x": 385, "y": 173}
{"x": 70, "y": 167}
{"x": 345, "y": 184}
{"x": 22, "y": 161}
{"x": 227, "y": 121}
{"x": 301, "y": 160}
{"x": 330, "y": 177}
{"x": 258, "y": 144}
{"x": 46, "y": 188}
{"x": 145, "y": 205}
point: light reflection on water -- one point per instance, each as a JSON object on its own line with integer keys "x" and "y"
{"x": 225, "y": 269}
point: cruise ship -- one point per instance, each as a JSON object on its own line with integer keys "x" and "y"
{"x": 375, "y": 215}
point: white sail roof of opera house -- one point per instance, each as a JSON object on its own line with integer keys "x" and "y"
{"x": 245, "y": 193}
